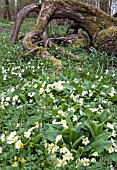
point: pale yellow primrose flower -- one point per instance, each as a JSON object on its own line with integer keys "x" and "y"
{"x": 15, "y": 98}
{"x": 15, "y": 164}
{"x": 85, "y": 161}
{"x": 110, "y": 150}
{"x": 23, "y": 160}
{"x": 60, "y": 112}
{"x": 68, "y": 156}
{"x": 110, "y": 126}
{"x": 17, "y": 124}
{"x": 15, "y": 158}
{"x": 27, "y": 134}
{"x": 8, "y": 99}
{"x": 0, "y": 149}
{"x": 19, "y": 144}
{"x": 15, "y": 139}
{"x": 41, "y": 91}
{"x": 58, "y": 138}
{"x": 59, "y": 162}
{"x": 50, "y": 147}
{"x": 12, "y": 138}
{"x": 75, "y": 118}
{"x": 71, "y": 109}
{"x": 63, "y": 162}
{"x": 2, "y": 137}
{"x": 95, "y": 154}
{"x": 54, "y": 149}
{"x": 85, "y": 141}
{"x": 63, "y": 150}
{"x": 93, "y": 160}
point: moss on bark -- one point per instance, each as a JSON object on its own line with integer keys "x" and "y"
{"x": 106, "y": 40}
{"x": 100, "y": 27}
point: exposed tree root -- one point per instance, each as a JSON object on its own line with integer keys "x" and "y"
{"x": 65, "y": 52}
{"x": 20, "y": 17}
{"x": 91, "y": 19}
{"x": 66, "y": 38}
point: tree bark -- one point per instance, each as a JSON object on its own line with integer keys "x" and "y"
{"x": 19, "y": 19}
{"x": 6, "y": 13}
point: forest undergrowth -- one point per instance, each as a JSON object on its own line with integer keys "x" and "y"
{"x": 62, "y": 122}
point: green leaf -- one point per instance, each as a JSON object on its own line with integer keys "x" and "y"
{"x": 104, "y": 136}
{"x": 77, "y": 106}
{"x": 99, "y": 129}
{"x": 73, "y": 84}
{"x": 52, "y": 133}
{"x": 80, "y": 89}
{"x": 22, "y": 97}
{"x": 77, "y": 142}
{"x": 92, "y": 127}
{"x": 49, "y": 100}
{"x": 114, "y": 98}
{"x": 89, "y": 112}
{"x": 67, "y": 86}
{"x": 87, "y": 84}
{"x": 70, "y": 124}
{"x": 67, "y": 131}
{"x": 64, "y": 107}
{"x": 100, "y": 145}
{"x": 111, "y": 157}
{"x": 73, "y": 135}
{"x": 95, "y": 129}
{"x": 37, "y": 139}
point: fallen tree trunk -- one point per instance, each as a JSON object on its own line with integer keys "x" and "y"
{"x": 100, "y": 27}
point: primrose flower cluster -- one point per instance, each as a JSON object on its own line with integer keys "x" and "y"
{"x": 50, "y": 90}
{"x": 64, "y": 154}
{"x": 67, "y": 121}
{"x": 15, "y": 138}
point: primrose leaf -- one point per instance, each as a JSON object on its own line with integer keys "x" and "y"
{"x": 100, "y": 145}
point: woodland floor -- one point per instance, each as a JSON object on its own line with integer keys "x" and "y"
{"x": 81, "y": 94}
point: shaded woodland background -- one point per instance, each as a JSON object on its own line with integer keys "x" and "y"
{"x": 10, "y": 8}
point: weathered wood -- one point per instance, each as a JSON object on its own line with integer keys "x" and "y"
{"x": 106, "y": 40}
{"x": 100, "y": 27}
{"x": 91, "y": 19}
{"x": 56, "y": 38}
{"x": 20, "y": 17}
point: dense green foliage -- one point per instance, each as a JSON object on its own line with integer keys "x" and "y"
{"x": 63, "y": 122}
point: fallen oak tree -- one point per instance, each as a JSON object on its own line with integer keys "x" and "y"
{"x": 100, "y": 27}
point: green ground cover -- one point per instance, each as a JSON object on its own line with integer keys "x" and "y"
{"x": 62, "y": 122}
